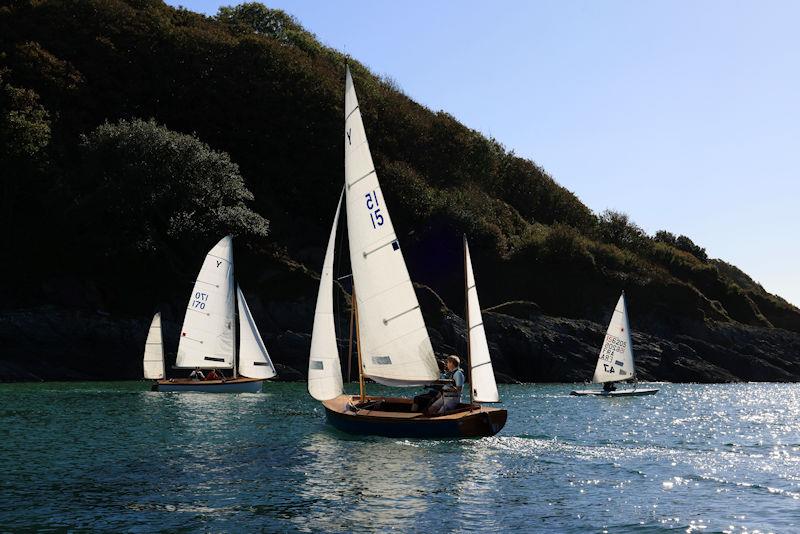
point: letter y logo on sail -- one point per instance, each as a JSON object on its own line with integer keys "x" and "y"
{"x": 218, "y": 263}
{"x": 349, "y": 131}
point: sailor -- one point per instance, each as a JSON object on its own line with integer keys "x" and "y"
{"x": 608, "y": 387}
{"x": 197, "y": 374}
{"x": 213, "y": 375}
{"x": 423, "y": 401}
{"x": 450, "y": 396}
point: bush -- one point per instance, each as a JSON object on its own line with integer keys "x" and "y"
{"x": 149, "y": 183}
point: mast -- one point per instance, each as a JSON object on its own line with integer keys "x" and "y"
{"x": 361, "y": 387}
{"x": 350, "y": 341}
{"x": 236, "y": 327}
{"x": 466, "y": 318}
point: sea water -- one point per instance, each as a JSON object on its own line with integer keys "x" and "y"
{"x": 117, "y": 457}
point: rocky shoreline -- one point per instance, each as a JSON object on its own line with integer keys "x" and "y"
{"x": 527, "y": 345}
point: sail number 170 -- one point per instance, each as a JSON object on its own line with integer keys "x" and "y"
{"x": 200, "y": 300}
{"x": 374, "y": 211}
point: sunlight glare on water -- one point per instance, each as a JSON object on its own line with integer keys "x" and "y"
{"x": 114, "y": 456}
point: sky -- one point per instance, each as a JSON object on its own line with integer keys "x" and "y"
{"x": 683, "y": 114}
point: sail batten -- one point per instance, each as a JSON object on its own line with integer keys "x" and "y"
{"x": 154, "y": 351}
{"x": 615, "y": 361}
{"x": 483, "y": 384}
{"x": 324, "y": 368}
{"x": 208, "y": 336}
{"x": 394, "y": 342}
{"x": 254, "y": 360}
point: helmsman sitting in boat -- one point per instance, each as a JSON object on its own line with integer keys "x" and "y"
{"x": 450, "y": 395}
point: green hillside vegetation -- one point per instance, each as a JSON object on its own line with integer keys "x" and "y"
{"x": 133, "y": 135}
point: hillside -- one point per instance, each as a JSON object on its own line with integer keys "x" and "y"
{"x": 133, "y": 135}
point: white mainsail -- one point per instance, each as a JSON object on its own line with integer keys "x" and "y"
{"x": 208, "y": 332}
{"x": 154, "y": 351}
{"x": 324, "y": 369}
{"x": 616, "y": 357}
{"x": 254, "y": 361}
{"x": 484, "y": 387}
{"x": 394, "y": 344}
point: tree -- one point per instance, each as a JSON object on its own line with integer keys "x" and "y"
{"x": 683, "y": 243}
{"x": 617, "y": 228}
{"x": 24, "y": 137}
{"x": 148, "y": 183}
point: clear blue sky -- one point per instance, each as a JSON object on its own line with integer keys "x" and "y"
{"x": 684, "y": 114}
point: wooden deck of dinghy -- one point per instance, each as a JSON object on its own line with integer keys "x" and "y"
{"x": 392, "y": 417}
{"x": 233, "y": 385}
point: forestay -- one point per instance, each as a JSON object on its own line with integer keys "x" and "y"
{"x": 394, "y": 342}
{"x": 616, "y": 357}
{"x": 208, "y": 334}
{"x": 324, "y": 369}
{"x": 484, "y": 387}
{"x": 254, "y": 361}
{"x": 154, "y": 351}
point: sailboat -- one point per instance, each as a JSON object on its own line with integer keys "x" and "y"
{"x": 615, "y": 362}
{"x": 392, "y": 342}
{"x": 208, "y": 335}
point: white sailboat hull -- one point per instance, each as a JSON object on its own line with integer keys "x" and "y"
{"x": 237, "y": 385}
{"x": 615, "y": 393}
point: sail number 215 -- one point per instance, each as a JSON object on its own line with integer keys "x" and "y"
{"x": 374, "y": 211}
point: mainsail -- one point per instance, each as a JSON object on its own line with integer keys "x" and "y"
{"x": 208, "y": 332}
{"x": 394, "y": 343}
{"x": 324, "y": 369}
{"x": 154, "y": 351}
{"x": 484, "y": 387}
{"x": 616, "y": 357}
{"x": 254, "y": 359}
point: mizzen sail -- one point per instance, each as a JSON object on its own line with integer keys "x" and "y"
{"x": 484, "y": 387}
{"x": 254, "y": 361}
{"x": 394, "y": 343}
{"x": 154, "y": 351}
{"x": 324, "y": 369}
{"x": 615, "y": 362}
{"x": 208, "y": 333}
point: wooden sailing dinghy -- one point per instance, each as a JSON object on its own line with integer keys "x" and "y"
{"x": 208, "y": 335}
{"x": 615, "y": 362}
{"x": 392, "y": 341}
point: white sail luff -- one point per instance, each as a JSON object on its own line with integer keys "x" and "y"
{"x": 154, "y": 351}
{"x": 615, "y": 361}
{"x": 208, "y": 333}
{"x": 324, "y": 367}
{"x": 254, "y": 360}
{"x": 484, "y": 387}
{"x": 394, "y": 343}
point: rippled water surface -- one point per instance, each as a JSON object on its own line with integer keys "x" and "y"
{"x": 114, "y": 456}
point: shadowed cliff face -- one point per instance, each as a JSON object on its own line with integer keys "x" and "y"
{"x": 49, "y": 343}
{"x": 94, "y": 252}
